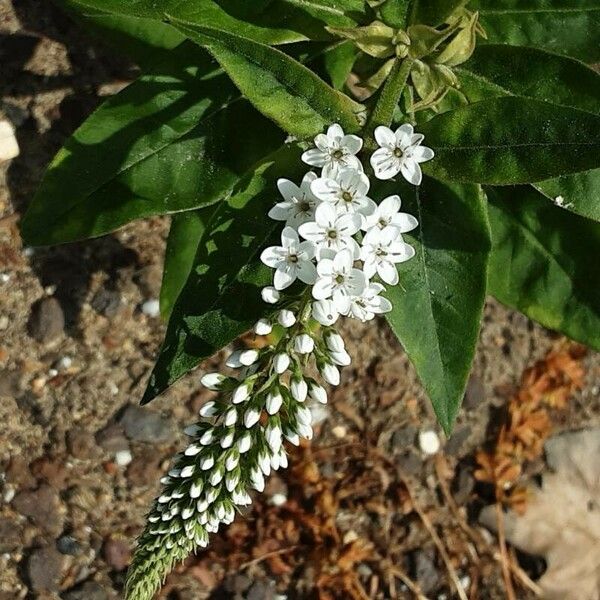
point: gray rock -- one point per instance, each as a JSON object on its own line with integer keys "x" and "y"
{"x": 474, "y": 394}
{"x": 112, "y": 438}
{"x": 106, "y": 302}
{"x": 404, "y": 438}
{"x": 90, "y": 590}
{"x": 10, "y": 535}
{"x": 43, "y": 507}
{"x": 47, "y": 320}
{"x": 68, "y": 545}
{"x": 457, "y": 439}
{"x": 143, "y": 425}
{"x": 44, "y": 569}
{"x": 426, "y": 573}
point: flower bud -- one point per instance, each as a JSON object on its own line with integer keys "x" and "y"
{"x": 257, "y": 480}
{"x": 232, "y": 461}
{"x": 273, "y": 437}
{"x": 334, "y": 341}
{"x": 196, "y": 489}
{"x": 299, "y": 389}
{"x": 264, "y": 462}
{"x": 304, "y": 344}
{"x": 281, "y": 362}
{"x": 187, "y": 471}
{"x": 341, "y": 358}
{"x": 207, "y": 437}
{"x": 244, "y": 443}
{"x": 207, "y": 463}
{"x": 251, "y": 417}
{"x": 241, "y": 393}
{"x": 263, "y": 327}
{"x": 286, "y": 318}
{"x": 192, "y": 450}
{"x": 213, "y": 381}
{"x": 317, "y": 392}
{"x": 230, "y": 417}
{"x": 330, "y": 374}
{"x": 270, "y": 295}
{"x": 304, "y": 415}
{"x": 306, "y": 431}
{"x": 227, "y": 439}
{"x": 215, "y": 477}
{"x": 209, "y": 409}
{"x": 273, "y": 403}
{"x": 292, "y": 438}
{"x": 324, "y": 312}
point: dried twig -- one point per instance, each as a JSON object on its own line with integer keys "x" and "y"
{"x": 505, "y": 559}
{"x": 266, "y": 556}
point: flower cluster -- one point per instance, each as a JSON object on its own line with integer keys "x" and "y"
{"x": 336, "y": 240}
{"x": 331, "y": 224}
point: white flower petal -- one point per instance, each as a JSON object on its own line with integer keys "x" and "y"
{"x": 411, "y": 171}
{"x": 307, "y": 272}
{"x": 289, "y": 237}
{"x": 284, "y": 277}
{"x": 422, "y": 153}
{"x": 315, "y": 157}
{"x": 352, "y": 143}
{"x": 273, "y": 256}
{"x": 384, "y": 164}
{"x": 335, "y": 133}
{"x": 385, "y": 136}
{"x": 387, "y": 271}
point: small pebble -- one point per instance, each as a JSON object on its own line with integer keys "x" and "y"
{"x": 339, "y": 431}
{"x": 429, "y": 442}
{"x": 4, "y": 277}
{"x": 9, "y": 493}
{"x": 9, "y": 147}
{"x": 151, "y": 308}
{"x": 123, "y": 458}
{"x": 278, "y": 499}
{"x": 64, "y": 363}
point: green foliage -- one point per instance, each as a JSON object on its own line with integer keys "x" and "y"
{"x": 434, "y": 12}
{"x": 338, "y": 61}
{"x": 570, "y": 27}
{"x": 512, "y": 140}
{"x": 221, "y": 298}
{"x": 544, "y": 262}
{"x": 438, "y": 304}
{"x": 160, "y": 146}
{"x": 277, "y": 85}
{"x": 185, "y": 233}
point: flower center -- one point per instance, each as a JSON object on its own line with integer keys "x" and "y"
{"x": 332, "y": 234}
{"x": 293, "y": 258}
{"x": 383, "y": 223}
{"x": 380, "y": 252}
{"x": 339, "y": 279}
{"x": 304, "y": 206}
{"x": 347, "y": 196}
{"x": 337, "y": 154}
{"x": 398, "y": 153}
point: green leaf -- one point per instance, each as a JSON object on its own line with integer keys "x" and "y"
{"x": 394, "y": 13}
{"x": 338, "y": 62}
{"x": 185, "y": 233}
{"x": 221, "y": 298}
{"x": 434, "y": 12}
{"x": 544, "y": 262}
{"x": 162, "y": 145}
{"x": 501, "y": 70}
{"x": 570, "y": 27}
{"x": 275, "y": 22}
{"x": 277, "y": 85}
{"x": 537, "y": 74}
{"x": 438, "y": 304}
{"x": 512, "y": 140}
{"x": 143, "y": 40}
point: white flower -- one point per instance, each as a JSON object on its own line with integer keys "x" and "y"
{"x": 273, "y": 437}
{"x": 347, "y": 192}
{"x": 244, "y": 443}
{"x": 332, "y": 231}
{"x": 299, "y": 202}
{"x": 242, "y": 358}
{"x": 399, "y": 151}
{"x": 240, "y": 394}
{"x": 387, "y": 215}
{"x": 334, "y": 151}
{"x": 251, "y": 417}
{"x": 270, "y": 295}
{"x": 334, "y": 341}
{"x": 292, "y": 260}
{"x": 341, "y": 358}
{"x": 230, "y": 417}
{"x": 208, "y": 410}
{"x": 381, "y": 252}
{"x": 304, "y": 344}
{"x": 369, "y": 303}
{"x": 339, "y": 280}
{"x": 325, "y": 312}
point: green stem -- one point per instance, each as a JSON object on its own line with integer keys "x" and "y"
{"x": 388, "y": 100}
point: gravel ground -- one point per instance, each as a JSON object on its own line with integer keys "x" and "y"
{"x": 80, "y": 462}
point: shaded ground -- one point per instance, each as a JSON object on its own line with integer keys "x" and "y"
{"x": 360, "y": 511}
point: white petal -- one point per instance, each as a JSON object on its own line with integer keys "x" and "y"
{"x": 387, "y": 271}
{"x": 314, "y": 157}
{"x": 404, "y": 222}
{"x": 325, "y": 189}
{"x": 322, "y": 142}
{"x": 389, "y": 207}
{"x": 422, "y": 153}
{"x": 352, "y": 143}
{"x": 272, "y": 256}
{"x": 288, "y": 189}
{"x": 385, "y": 136}
{"x": 289, "y": 237}
{"x": 311, "y": 231}
{"x": 325, "y": 215}
{"x": 307, "y": 272}
{"x": 404, "y": 135}
{"x": 348, "y": 224}
{"x": 322, "y": 289}
{"x": 280, "y": 212}
{"x": 284, "y": 277}
{"x": 342, "y": 263}
{"x": 341, "y": 301}
{"x": 384, "y": 164}
{"x": 307, "y": 250}
{"x": 335, "y": 132}
{"x": 411, "y": 171}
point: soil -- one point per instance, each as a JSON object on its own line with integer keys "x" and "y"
{"x": 79, "y": 465}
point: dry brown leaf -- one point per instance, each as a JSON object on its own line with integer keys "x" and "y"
{"x": 562, "y": 522}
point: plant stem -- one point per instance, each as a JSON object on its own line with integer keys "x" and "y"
{"x": 388, "y": 100}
